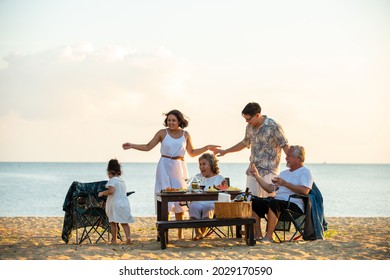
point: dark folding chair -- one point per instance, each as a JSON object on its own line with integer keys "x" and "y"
{"x": 221, "y": 233}
{"x": 310, "y": 225}
{"x": 85, "y": 210}
{"x": 288, "y": 217}
{"x": 91, "y": 217}
{"x": 217, "y": 231}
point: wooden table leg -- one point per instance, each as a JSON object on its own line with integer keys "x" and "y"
{"x": 158, "y": 219}
{"x": 238, "y": 232}
{"x": 163, "y": 238}
{"x": 162, "y": 213}
{"x": 249, "y": 235}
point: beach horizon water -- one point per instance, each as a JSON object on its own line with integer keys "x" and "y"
{"x": 33, "y": 193}
{"x": 38, "y": 189}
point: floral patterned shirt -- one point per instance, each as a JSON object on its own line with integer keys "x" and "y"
{"x": 266, "y": 143}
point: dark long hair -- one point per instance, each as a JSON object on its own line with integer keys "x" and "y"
{"x": 114, "y": 167}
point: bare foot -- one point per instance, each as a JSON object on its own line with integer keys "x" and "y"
{"x": 204, "y": 231}
{"x": 128, "y": 242}
{"x": 258, "y": 237}
{"x": 266, "y": 240}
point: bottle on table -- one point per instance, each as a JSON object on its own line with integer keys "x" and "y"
{"x": 247, "y": 195}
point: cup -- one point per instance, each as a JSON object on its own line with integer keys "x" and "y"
{"x": 194, "y": 186}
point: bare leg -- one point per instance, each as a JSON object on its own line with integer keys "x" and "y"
{"x": 198, "y": 231}
{"x": 180, "y": 217}
{"x": 126, "y": 229}
{"x": 205, "y": 230}
{"x": 271, "y": 225}
{"x": 198, "y": 234}
{"x": 114, "y": 232}
{"x": 260, "y": 192}
{"x": 256, "y": 190}
{"x": 257, "y": 226}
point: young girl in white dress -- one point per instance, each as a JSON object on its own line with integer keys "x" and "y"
{"x": 117, "y": 204}
{"x": 171, "y": 169}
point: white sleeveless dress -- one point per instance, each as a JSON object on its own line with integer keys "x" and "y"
{"x": 172, "y": 172}
{"x": 118, "y": 205}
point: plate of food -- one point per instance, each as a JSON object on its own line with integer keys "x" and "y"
{"x": 233, "y": 189}
{"x": 213, "y": 189}
{"x": 173, "y": 190}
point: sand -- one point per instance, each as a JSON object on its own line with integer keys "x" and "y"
{"x": 39, "y": 238}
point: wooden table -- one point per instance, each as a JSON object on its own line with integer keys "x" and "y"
{"x": 165, "y": 197}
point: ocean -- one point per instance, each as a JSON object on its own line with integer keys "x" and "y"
{"x": 39, "y": 189}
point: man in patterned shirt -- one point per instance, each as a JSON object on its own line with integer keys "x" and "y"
{"x": 266, "y": 139}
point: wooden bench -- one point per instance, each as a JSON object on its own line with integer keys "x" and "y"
{"x": 163, "y": 226}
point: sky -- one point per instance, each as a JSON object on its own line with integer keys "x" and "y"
{"x": 79, "y": 78}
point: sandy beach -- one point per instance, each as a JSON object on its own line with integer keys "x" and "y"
{"x": 39, "y": 238}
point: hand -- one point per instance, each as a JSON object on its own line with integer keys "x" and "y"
{"x": 126, "y": 146}
{"x": 100, "y": 194}
{"x": 253, "y": 170}
{"x": 213, "y": 148}
{"x": 278, "y": 181}
{"x": 219, "y": 152}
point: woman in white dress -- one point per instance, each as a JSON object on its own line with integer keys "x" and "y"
{"x": 171, "y": 169}
{"x": 208, "y": 176}
{"x": 117, "y": 204}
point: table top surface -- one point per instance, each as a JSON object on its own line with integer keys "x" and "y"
{"x": 191, "y": 196}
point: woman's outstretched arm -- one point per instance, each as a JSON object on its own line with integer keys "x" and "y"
{"x": 146, "y": 147}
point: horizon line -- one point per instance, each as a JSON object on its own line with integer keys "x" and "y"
{"x": 155, "y": 162}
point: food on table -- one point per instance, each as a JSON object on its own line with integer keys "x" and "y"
{"x": 222, "y": 187}
{"x": 232, "y": 189}
{"x": 169, "y": 189}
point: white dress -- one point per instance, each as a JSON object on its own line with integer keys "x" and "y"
{"x": 205, "y": 209}
{"x": 118, "y": 205}
{"x": 172, "y": 172}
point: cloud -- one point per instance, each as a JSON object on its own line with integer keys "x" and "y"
{"x": 110, "y": 82}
